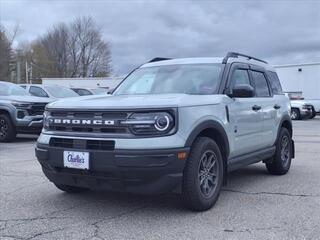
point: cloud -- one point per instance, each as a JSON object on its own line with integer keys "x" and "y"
{"x": 279, "y": 31}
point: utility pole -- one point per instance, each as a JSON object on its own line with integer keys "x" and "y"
{"x": 19, "y": 66}
{"x": 31, "y": 73}
{"x": 27, "y": 79}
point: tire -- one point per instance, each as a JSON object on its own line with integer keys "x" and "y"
{"x": 281, "y": 162}
{"x": 70, "y": 189}
{"x": 314, "y": 113}
{"x": 295, "y": 114}
{"x": 7, "y": 129}
{"x": 202, "y": 180}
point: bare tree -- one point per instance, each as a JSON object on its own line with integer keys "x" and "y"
{"x": 89, "y": 53}
{"x": 55, "y": 42}
{"x": 69, "y": 50}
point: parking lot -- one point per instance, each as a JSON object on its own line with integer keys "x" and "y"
{"x": 254, "y": 204}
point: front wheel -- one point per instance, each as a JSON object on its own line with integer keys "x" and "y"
{"x": 203, "y": 175}
{"x": 282, "y": 159}
{"x": 7, "y": 129}
{"x": 295, "y": 114}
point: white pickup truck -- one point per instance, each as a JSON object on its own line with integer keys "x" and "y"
{"x": 303, "y": 108}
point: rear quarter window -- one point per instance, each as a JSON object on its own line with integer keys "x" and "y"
{"x": 275, "y": 83}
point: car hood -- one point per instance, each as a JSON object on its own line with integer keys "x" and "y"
{"x": 298, "y": 103}
{"x": 135, "y": 101}
{"x": 26, "y": 98}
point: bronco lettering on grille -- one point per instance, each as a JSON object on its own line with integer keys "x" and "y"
{"x": 83, "y": 122}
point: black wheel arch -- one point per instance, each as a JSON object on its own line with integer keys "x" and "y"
{"x": 4, "y": 110}
{"x": 286, "y": 122}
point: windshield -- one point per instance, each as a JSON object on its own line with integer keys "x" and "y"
{"x": 60, "y": 92}
{"x": 12, "y": 89}
{"x": 187, "y": 78}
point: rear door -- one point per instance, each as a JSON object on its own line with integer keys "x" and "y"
{"x": 246, "y": 122}
{"x": 265, "y": 100}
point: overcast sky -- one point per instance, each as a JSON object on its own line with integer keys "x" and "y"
{"x": 279, "y": 31}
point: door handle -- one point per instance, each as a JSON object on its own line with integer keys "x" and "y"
{"x": 256, "y": 108}
{"x": 276, "y": 106}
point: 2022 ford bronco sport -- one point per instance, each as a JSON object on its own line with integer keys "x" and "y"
{"x": 171, "y": 125}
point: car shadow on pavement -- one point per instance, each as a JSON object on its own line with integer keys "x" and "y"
{"x": 252, "y": 175}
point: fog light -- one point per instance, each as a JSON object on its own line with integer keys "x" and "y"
{"x": 20, "y": 114}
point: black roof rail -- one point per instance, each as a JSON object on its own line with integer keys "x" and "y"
{"x": 235, "y": 55}
{"x": 157, "y": 59}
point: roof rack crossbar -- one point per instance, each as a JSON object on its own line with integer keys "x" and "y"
{"x": 157, "y": 59}
{"x": 235, "y": 55}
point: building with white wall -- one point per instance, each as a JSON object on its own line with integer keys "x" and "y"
{"x": 303, "y": 78}
{"x": 90, "y": 82}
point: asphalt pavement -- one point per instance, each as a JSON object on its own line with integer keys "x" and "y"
{"x": 254, "y": 204}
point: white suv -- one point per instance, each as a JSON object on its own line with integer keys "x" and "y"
{"x": 171, "y": 125}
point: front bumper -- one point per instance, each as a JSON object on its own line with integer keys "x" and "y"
{"x": 29, "y": 124}
{"x": 136, "y": 171}
{"x": 306, "y": 113}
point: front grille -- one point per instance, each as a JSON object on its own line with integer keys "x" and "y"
{"x": 37, "y": 109}
{"x": 107, "y": 145}
{"x": 115, "y": 117}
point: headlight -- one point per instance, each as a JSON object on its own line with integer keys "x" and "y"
{"x": 150, "y": 123}
{"x": 21, "y": 104}
{"x": 46, "y": 124}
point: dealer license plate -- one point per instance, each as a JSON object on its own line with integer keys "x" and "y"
{"x": 79, "y": 160}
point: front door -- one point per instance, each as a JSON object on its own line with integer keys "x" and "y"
{"x": 245, "y": 116}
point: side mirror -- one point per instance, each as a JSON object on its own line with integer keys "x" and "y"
{"x": 242, "y": 91}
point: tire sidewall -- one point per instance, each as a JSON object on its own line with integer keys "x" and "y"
{"x": 297, "y": 114}
{"x": 283, "y": 132}
{"x": 11, "y": 131}
{"x": 191, "y": 178}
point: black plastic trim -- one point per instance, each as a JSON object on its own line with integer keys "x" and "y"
{"x": 157, "y": 59}
{"x": 209, "y": 124}
{"x": 236, "y": 55}
{"x": 250, "y": 158}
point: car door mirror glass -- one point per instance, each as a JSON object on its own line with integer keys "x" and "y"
{"x": 242, "y": 91}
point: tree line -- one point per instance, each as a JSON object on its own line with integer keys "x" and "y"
{"x": 74, "y": 49}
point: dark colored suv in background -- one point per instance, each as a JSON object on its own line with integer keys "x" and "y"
{"x": 19, "y": 111}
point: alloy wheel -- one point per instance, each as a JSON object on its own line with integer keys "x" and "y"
{"x": 294, "y": 115}
{"x": 3, "y": 128}
{"x": 208, "y": 173}
{"x": 285, "y": 150}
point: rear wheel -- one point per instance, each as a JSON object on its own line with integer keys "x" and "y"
{"x": 203, "y": 175}
{"x": 70, "y": 189}
{"x": 282, "y": 159}
{"x": 7, "y": 130}
{"x": 295, "y": 114}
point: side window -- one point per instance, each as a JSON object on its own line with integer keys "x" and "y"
{"x": 261, "y": 84}
{"x": 36, "y": 91}
{"x": 83, "y": 92}
{"x": 240, "y": 76}
{"x": 275, "y": 83}
{"x": 23, "y": 86}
